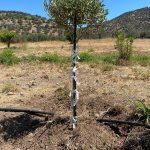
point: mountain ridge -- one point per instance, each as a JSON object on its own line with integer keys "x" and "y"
{"x": 24, "y": 23}
{"x": 136, "y": 23}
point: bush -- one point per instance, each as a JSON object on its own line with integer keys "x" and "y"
{"x": 87, "y": 57}
{"x": 55, "y": 58}
{"x": 36, "y": 37}
{"x": 143, "y": 110}
{"x": 32, "y": 57}
{"x": 109, "y": 58}
{"x": 8, "y": 57}
{"x": 6, "y": 37}
{"x": 124, "y": 45}
{"x": 97, "y": 58}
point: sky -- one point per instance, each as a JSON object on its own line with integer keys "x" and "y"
{"x": 35, "y": 7}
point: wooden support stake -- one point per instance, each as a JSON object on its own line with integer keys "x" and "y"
{"x": 74, "y": 84}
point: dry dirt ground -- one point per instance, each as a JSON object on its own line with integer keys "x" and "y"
{"x": 45, "y": 86}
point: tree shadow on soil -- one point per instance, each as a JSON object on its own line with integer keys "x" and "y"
{"x": 16, "y": 127}
{"x": 141, "y": 142}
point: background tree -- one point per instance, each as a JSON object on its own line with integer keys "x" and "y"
{"x": 124, "y": 45}
{"x": 7, "y": 36}
{"x": 72, "y": 15}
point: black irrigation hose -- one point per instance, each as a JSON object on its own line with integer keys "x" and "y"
{"x": 123, "y": 122}
{"x": 29, "y": 111}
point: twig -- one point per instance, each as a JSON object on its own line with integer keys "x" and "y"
{"x": 28, "y": 111}
{"x": 123, "y": 122}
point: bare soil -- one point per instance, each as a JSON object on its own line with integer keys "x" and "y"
{"x": 45, "y": 86}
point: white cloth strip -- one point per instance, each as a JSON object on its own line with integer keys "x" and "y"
{"x": 76, "y": 80}
{"x": 75, "y": 57}
{"x": 73, "y": 71}
{"x": 73, "y": 121}
{"x": 76, "y": 99}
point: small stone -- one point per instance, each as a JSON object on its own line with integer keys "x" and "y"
{"x": 24, "y": 88}
{"x": 12, "y": 78}
{"x": 42, "y": 95}
{"x": 97, "y": 81}
{"x": 30, "y": 86}
{"x": 22, "y": 94}
{"x": 10, "y": 93}
{"x": 30, "y": 137}
{"x": 97, "y": 115}
{"x": 33, "y": 84}
{"x": 132, "y": 77}
{"x": 124, "y": 76}
{"x": 20, "y": 100}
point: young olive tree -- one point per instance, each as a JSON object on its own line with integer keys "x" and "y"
{"x": 124, "y": 45}
{"x": 6, "y": 36}
{"x": 72, "y": 16}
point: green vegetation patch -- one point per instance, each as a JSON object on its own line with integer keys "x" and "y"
{"x": 98, "y": 58}
{"x": 111, "y": 58}
{"x": 141, "y": 59}
{"x": 53, "y": 58}
{"x": 8, "y": 57}
{"x": 31, "y": 58}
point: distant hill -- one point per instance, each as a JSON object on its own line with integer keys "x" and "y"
{"x": 135, "y": 23}
{"x": 25, "y": 23}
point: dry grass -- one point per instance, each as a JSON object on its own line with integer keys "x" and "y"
{"x": 9, "y": 87}
{"x": 100, "y": 86}
{"x": 64, "y": 48}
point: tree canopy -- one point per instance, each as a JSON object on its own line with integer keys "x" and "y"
{"x": 6, "y": 36}
{"x": 87, "y": 12}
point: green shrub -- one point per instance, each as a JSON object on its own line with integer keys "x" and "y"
{"x": 109, "y": 58}
{"x": 87, "y": 57}
{"x": 54, "y": 58}
{"x": 32, "y": 58}
{"x": 123, "y": 45}
{"x": 8, "y": 57}
{"x": 143, "y": 111}
{"x": 98, "y": 58}
{"x": 6, "y": 36}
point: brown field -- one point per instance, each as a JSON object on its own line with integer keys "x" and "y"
{"x": 35, "y": 86}
{"x": 60, "y": 47}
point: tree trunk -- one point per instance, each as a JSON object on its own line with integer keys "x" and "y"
{"x": 74, "y": 83}
{"x": 8, "y": 43}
